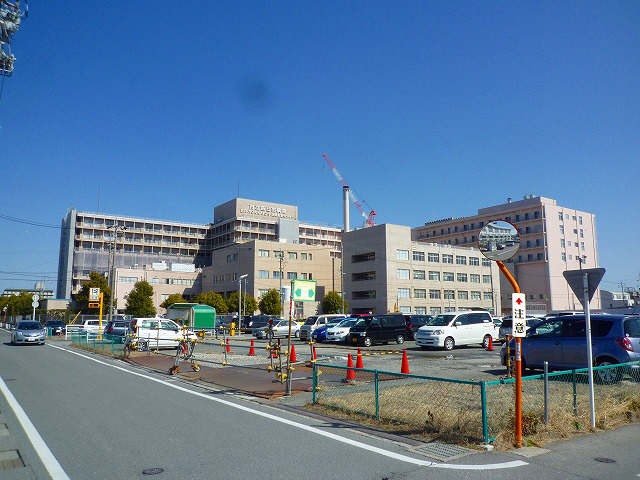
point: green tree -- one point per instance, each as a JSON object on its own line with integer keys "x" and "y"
{"x": 171, "y": 299}
{"x": 332, "y": 303}
{"x": 139, "y": 300}
{"x": 96, "y": 280}
{"x": 249, "y": 307}
{"x": 213, "y": 299}
{"x": 270, "y": 303}
{"x": 20, "y": 304}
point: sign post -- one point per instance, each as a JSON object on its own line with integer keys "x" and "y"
{"x": 584, "y": 284}
{"x": 34, "y": 304}
{"x": 95, "y": 301}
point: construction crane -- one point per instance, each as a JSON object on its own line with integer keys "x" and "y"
{"x": 10, "y": 16}
{"x": 368, "y": 219}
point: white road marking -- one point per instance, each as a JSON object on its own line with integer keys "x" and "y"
{"x": 355, "y": 443}
{"x": 50, "y": 462}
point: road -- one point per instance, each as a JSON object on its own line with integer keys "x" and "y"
{"x": 101, "y": 418}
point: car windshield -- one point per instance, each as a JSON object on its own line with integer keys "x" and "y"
{"x": 419, "y": 321}
{"x": 311, "y": 321}
{"x": 29, "y": 326}
{"x": 440, "y": 320}
{"x": 349, "y": 322}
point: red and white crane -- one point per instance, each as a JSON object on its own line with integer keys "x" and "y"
{"x": 368, "y": 219}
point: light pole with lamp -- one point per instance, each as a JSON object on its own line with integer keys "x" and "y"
{"x": 116, "y": 229}
{"x": 240, "y": 279}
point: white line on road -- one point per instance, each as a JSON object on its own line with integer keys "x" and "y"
{"x": 355, "y": 443}
{"x": 50, "y": 462}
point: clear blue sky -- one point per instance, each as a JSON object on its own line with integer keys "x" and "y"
{"x": 429, "y": 109}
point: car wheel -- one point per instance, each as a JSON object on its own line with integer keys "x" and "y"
{"x": 367, "y": 341}
{"x": 485, "y": 341}
{"x": 400, "y": 339}
{"x": 297, "y": 334}
{"x": 609, "y": 375}
{"x": 449, "y": 343}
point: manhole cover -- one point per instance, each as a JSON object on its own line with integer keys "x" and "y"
{"x": 604, "y": 460}
{"x": 152, "y": 471}
{"x": 443, "y": 451}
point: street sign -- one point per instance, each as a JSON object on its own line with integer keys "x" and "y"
{"x": 94, "y": 305}
{"x": 519, "y": 314}
{"x": 36, "y": 297}
{"x": 575, "y": 279}
{"x": 303, "y": 290}
{"x": 34, "y": 304}
{"x": 94, "y": 294}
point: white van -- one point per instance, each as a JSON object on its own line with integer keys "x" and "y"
{"x": 315, "y": 321}
{"x": 457, "y": 328}
{"x": 159, "y": 332}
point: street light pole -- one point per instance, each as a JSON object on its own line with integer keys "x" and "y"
{"x": 112, "y": 274}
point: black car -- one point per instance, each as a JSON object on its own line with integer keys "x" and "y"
{"x": 57, "y": 327}
{"x": 379, "y": 329}
{"x": 117, "y": 328}
{"x": 414, "y": 322}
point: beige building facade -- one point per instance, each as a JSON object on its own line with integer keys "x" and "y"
{"x": 552, "y": 239}
{"x": 385, "y": 270}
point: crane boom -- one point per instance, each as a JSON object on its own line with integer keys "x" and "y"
{"x": 368, "y": 219}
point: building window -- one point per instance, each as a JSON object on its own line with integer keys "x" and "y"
{"x": 461, "y": 260}
{"x": 486, "y": 278}
{"x": 580, "y": 220}
{"x": 404, "y": 293}
{"x": 292, "y": 275}
{"x": 463, "y": 295}
{"x": 276, "y": 274}
{"x": 559, "y": 215}
{"x": 362, "y": 257}
{"x": 581, "y": 233}
{"x": 434, "y": 276}
{"x": 474, "y": 261}
{"x": 435, "y": 310}
{"x": 526, "y": 216}
{"x": 562, "y": 229}
{"x": 262, "y": 292}
{"x": 263, "y": 253}
{"x": 536, "y": 214}
{"x": 486, "y": 262}
{"x": 402, "y": 254}
{"x": 461, "y": 277}
{"x": 232, "y": 258}
{"x": 292, "y": 255}
{"x": 263, "y": 273}
{"x": 303, "y": 256}
{"x": 573, "y": 218}
{"x": 474, "y": 278}
{"x": 446, "y": 258}
{"x": 563, "y": 256}
{"x": 434, "y": 294}
{"x": 304, "y": 276}
{"x": 566, "y": 216}
{"x": 539, "y": 256}
{"x": 449, "y": 294}
{"x": 447, "y": 276}
{"x": 433, "y": 257}
{"x": 419, "y": 275}
{"x": 403, "y": 274}
{"x": 418, "y": 256}
{"x": 562, "y": 243}
{"x": 517, "y": 217}
{"x": 419, "y": 293}
{"x": 486, "y": 296}
{"x": 530, "y": 257}
{"x": 403, "y": 309}
{"x": 420, "y": 310}
{"x": 582, "y": 246}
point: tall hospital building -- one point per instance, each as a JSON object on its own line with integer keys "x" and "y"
{"x": 553, "y": 239}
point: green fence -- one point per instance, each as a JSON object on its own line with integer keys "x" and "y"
{"x": 113, "y": 344}
{"x": 475, "y": 410}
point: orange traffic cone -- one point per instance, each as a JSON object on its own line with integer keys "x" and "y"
{"x": 252, "y": 352}
{"x": 405, "y": 363}
{"x": 351, "y": 374}
{"x": 359, "y": 360}
{"x": 490, "y": 346}
{"x": 228, "y": 346}
{"x": 293, "y": 358}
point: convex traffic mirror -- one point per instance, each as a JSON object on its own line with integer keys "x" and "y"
{"x": 499, "y": 240}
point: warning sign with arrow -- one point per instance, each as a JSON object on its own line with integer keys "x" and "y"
{"x": 303, "y": 290}
{"x": 519, "y": 315}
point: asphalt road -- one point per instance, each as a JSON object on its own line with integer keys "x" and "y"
{"x": 101, "y": 418}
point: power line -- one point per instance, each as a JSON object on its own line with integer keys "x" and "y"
{"x": 28, "y": 222}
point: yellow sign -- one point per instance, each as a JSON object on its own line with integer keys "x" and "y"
{"x": 94, "y": 305}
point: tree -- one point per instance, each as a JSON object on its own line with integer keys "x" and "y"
{"x": 332, "y": 303}
{"x": 20, "y": 304}
{"x": 171, "y": 299}
{"x": 139, "y": 300}
{"x": 249, "y": 307}
{"x": 95, "y": 281}
{"x": 213, "y": 299}
{"x": 270, "y": 303}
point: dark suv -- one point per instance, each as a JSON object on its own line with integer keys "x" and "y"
{"x": 561, "y": 341}
{"x": 414, "y": 322}
{"x": 117, "y": 328}
{"x": 57, "y": 327}
{"x": 379, "y": 329}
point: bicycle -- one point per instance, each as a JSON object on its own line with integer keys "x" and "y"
{"x": 184, "y": 351}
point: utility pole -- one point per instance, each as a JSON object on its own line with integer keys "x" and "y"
{"x": 281, "y": 297}
{"x": 116, "y": 228}
{"x": 342, "y": 275}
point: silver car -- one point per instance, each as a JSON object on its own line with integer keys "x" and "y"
{"x": 28, "y": 331}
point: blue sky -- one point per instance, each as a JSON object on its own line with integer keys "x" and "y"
{"x": 428, "y": 109}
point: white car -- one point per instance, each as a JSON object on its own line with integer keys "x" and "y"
{"x": 91, "y": 326}
{"x": 339, "y": 332}
{"x": 457, "y": 328}
{"x": 160, "y": 332}
{"x": 280, "y": 329}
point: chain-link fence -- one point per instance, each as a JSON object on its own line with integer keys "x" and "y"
{"x": 113, "y": 344}
{"x": 474, "y": 410}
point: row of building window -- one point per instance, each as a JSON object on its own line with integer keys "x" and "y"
{"x": 290, "y": 255}
{"x": 423, "y": 310}
{"x": 403, "y": 274}
{"x": 562, "y": 244}
{"x": 573, "y": 217}
{"x": 435, "y": 294}
{"x": 446, "y": 258}
{"x": 290, "y": 275}
{"x": 172, "y": 281}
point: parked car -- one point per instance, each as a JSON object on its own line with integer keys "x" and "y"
{"x": 506, "y": 327}
{"x": 497, "y": 320}
{"x": 159, "y": 332}
{"x": 457, "y": 328}
{"x": 91, "y": 326}
{"x": 339, "y": 332}
{"x": 28, "y": 331}
{"x": 313, "y": 322}
{"x": 561, "y": 341}
{"x": 57, "y": 327}
{"x": 379, "y": 329}
{"x": 320, "y": 334}
{"x": 414, "y": 322}
{"x": 256, "y": 321}
{"x": 280, "y": 329}
{"x": 117, "y": 328}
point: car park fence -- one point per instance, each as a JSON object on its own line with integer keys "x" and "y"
{"x": 470, "y": 410}
{"x": 113, "y": 344}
